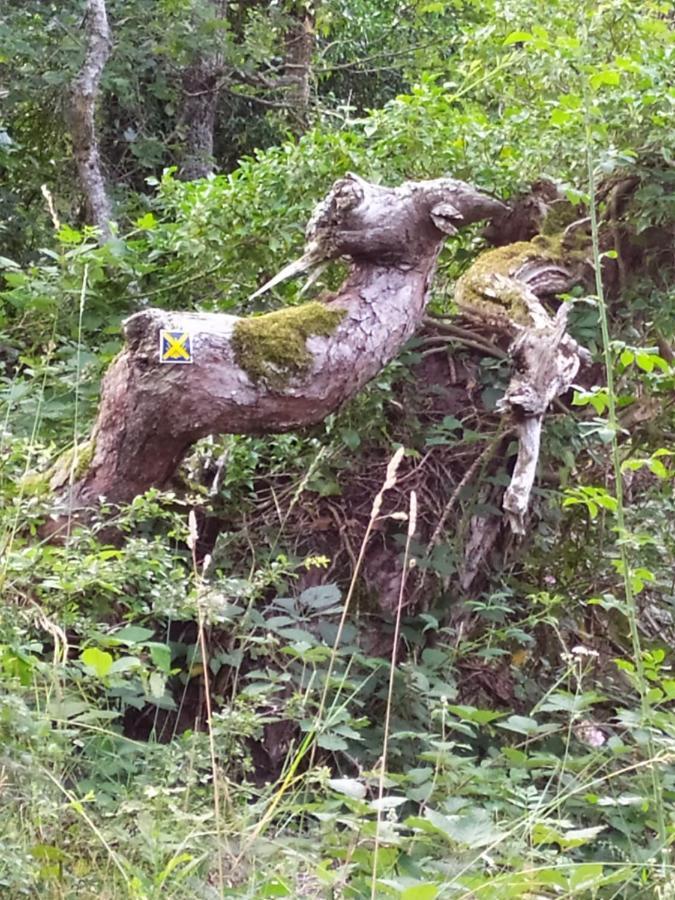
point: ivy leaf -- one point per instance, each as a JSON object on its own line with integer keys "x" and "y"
{"x": 146, "y": 222}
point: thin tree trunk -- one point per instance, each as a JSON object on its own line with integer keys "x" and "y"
{"x": 197, "y": 119}
{"x": 299, "y": 42}
{"x": 84, "y": 94}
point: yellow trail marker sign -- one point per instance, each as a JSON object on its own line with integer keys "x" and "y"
{"x": 175, "y": 346}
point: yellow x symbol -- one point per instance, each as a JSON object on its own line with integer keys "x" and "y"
{"x": 175, "y": 346}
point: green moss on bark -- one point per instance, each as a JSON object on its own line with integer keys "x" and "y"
{"x": 273, "y": 347}
{"x": 479, "y": 291}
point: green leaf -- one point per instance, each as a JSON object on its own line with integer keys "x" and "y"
{"x": 48, "y": 852}
{"x": 645, "y": 361}
{"x": 146, "y": 222}
{"x": 605, "y": 77}
{"x": 606, "y": 501}
{"x": 543, "y": 833}
{"x": 473, "y": 830}
{"x": 297, "y": 635}
{"x": 471, "y": 714}
{"x": 351, "y": 438}
{"x": 98, "y": 662}
{"x": 133, "y": 634}
{"x": 174, "y": 862}
{"x": 274, "y": 887}
{"x": 517, "y": 37}
{"x": 451, "y": 423}
{"x": 564, "y": 701}
{"x": 331, "y": 742}
{"x": 160, "y": 655}
{"x": 425, "y": 891}
{"x": 68, "y": 235}
{"x": 65, "y": 709}
{"x": 657, "y": 468}
{"x": 561, "y": 116}
{"x": 125, "y": 664}
{"x": 320, "y": 597}
{"x": 585, "y": 875}
{"x": 350, "y": 787}
{"x": 520, "y": 724}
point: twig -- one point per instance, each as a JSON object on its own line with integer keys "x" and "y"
{"x": 465, "y": 335}
{"x": 466, "y": 478}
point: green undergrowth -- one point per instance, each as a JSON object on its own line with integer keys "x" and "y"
{"x": 518, "y": 759}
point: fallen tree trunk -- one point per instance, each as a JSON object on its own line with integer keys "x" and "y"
{"x": 183, "y": 376}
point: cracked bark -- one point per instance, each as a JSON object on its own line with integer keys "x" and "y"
{"x": 84, "y": 92}
{"x": 150, "y": 413}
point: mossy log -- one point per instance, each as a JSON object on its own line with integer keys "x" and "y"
{"x": 282, "y": 370}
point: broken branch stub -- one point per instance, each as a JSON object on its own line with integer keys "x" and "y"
{"x": 282, "y": 370}
{"x": 546, "y": 361}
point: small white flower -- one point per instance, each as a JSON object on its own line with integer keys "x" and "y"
{"x": 580, "y": 650}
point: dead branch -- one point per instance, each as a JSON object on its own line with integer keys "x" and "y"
{"x": 503, "y": 291}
